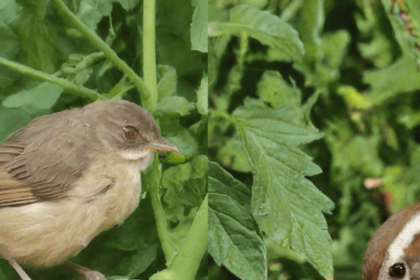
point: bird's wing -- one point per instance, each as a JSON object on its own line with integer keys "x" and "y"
{"x": 44, "y": 160}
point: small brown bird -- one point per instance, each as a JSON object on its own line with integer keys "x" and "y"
{"x": 68, "y": 176}
{"x": 394, "y": 251}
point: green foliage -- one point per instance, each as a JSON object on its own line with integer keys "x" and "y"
{"x": 76, "y": 66}
{"x": 345, "y": 74}
{"x": 234, "y": 238}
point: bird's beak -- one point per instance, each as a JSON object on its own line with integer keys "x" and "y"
{"x": 163, "y": 145}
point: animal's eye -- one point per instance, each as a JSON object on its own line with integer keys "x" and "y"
{"x": 397, "y": 270}
{"x": 130, "y": 133}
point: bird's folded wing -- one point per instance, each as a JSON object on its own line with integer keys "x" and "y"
{"x": 14, "y": 192}
{"x": 41, "y": 162}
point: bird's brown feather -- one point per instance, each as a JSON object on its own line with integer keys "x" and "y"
{"x": 43, "y": 160}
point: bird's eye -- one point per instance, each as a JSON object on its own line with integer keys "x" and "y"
{"x": 397, "y": 270}
{"x": 130, "y": 133}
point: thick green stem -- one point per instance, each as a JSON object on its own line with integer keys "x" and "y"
{"x": 168, "y": 246}
{"x": 68, "y": 86}
{"x": 149, "y": 51}
{"x": 109, "y": 53}
{"x": 186, "y": 263}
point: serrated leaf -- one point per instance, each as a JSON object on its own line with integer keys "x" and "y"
{"x": 400, "y": 77}
{"x": 199, "y": 38}
{"x": 262, "y": 26}
{"x": 287, "y": 206}
{"x": 234, "y": 238}
{"x": 43, "y": 96}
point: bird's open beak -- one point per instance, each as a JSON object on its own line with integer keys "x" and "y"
{"x": 163, "y": 145}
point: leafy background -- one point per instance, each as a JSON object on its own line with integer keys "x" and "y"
{"x": 34, "y": 34}
{"x": 296, "y": 88}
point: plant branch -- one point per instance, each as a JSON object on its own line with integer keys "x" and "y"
{"x": 168, "y": 246}
{"x": 68, "y": 86}
{"x": 107, "y": 50}
{"x": 149, "y": 51}
{"x": 186, "y": 263}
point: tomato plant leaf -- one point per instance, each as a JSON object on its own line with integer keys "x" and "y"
{"x": 287, "y": 206}
{"x": 263, "y": 26}
{"x": 234, "y": 238}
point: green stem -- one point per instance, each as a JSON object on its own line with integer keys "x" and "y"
{"x": 149, "y": 51}
{"x": 291, "y": 10}
{"x": 186, "y": 263}
{"x": 68, "y": 86}
{"x": 108, "y": 51}
{"x": 168, "y": 246}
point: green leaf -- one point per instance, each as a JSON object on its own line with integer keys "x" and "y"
{"x": 10, "y": 43}
{"x": 90, "y": 12}
{"x": 171, "y": 45}
{"x": 6, "y": 271}
{"x": 173, "y": 105}
{"x": 127, "y": 4}
{"x": 167, "y": 83}
{"x": 414, "y": 16}
{"x": 375, "y": 29}
{"x": 262, "y": 26}
{"x": 273, "y": 89}
{"x": 138, "y": 235}
{"x": 400, "y": 77}
{"x": 202, "y": 96}
{"x": 43, "y": 96}
{"x": 11, "y": 120}
{"x": 185, "y": 186}
{"x": 127, "y": 238}
{"x": 234, "y": 238}
{"x": 37, "y": 40}
{"x": 401, "y": 27}
{"x": 199, "y": 28}
{"x": 311, "y": 21}
{"x": 232, "y": 155}
{"x": 287, "y": 206}
{"x": 178, "y": 135}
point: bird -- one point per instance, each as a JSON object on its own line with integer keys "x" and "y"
{"x": 70, "y": 175}
{"x": 393, "y": 252}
